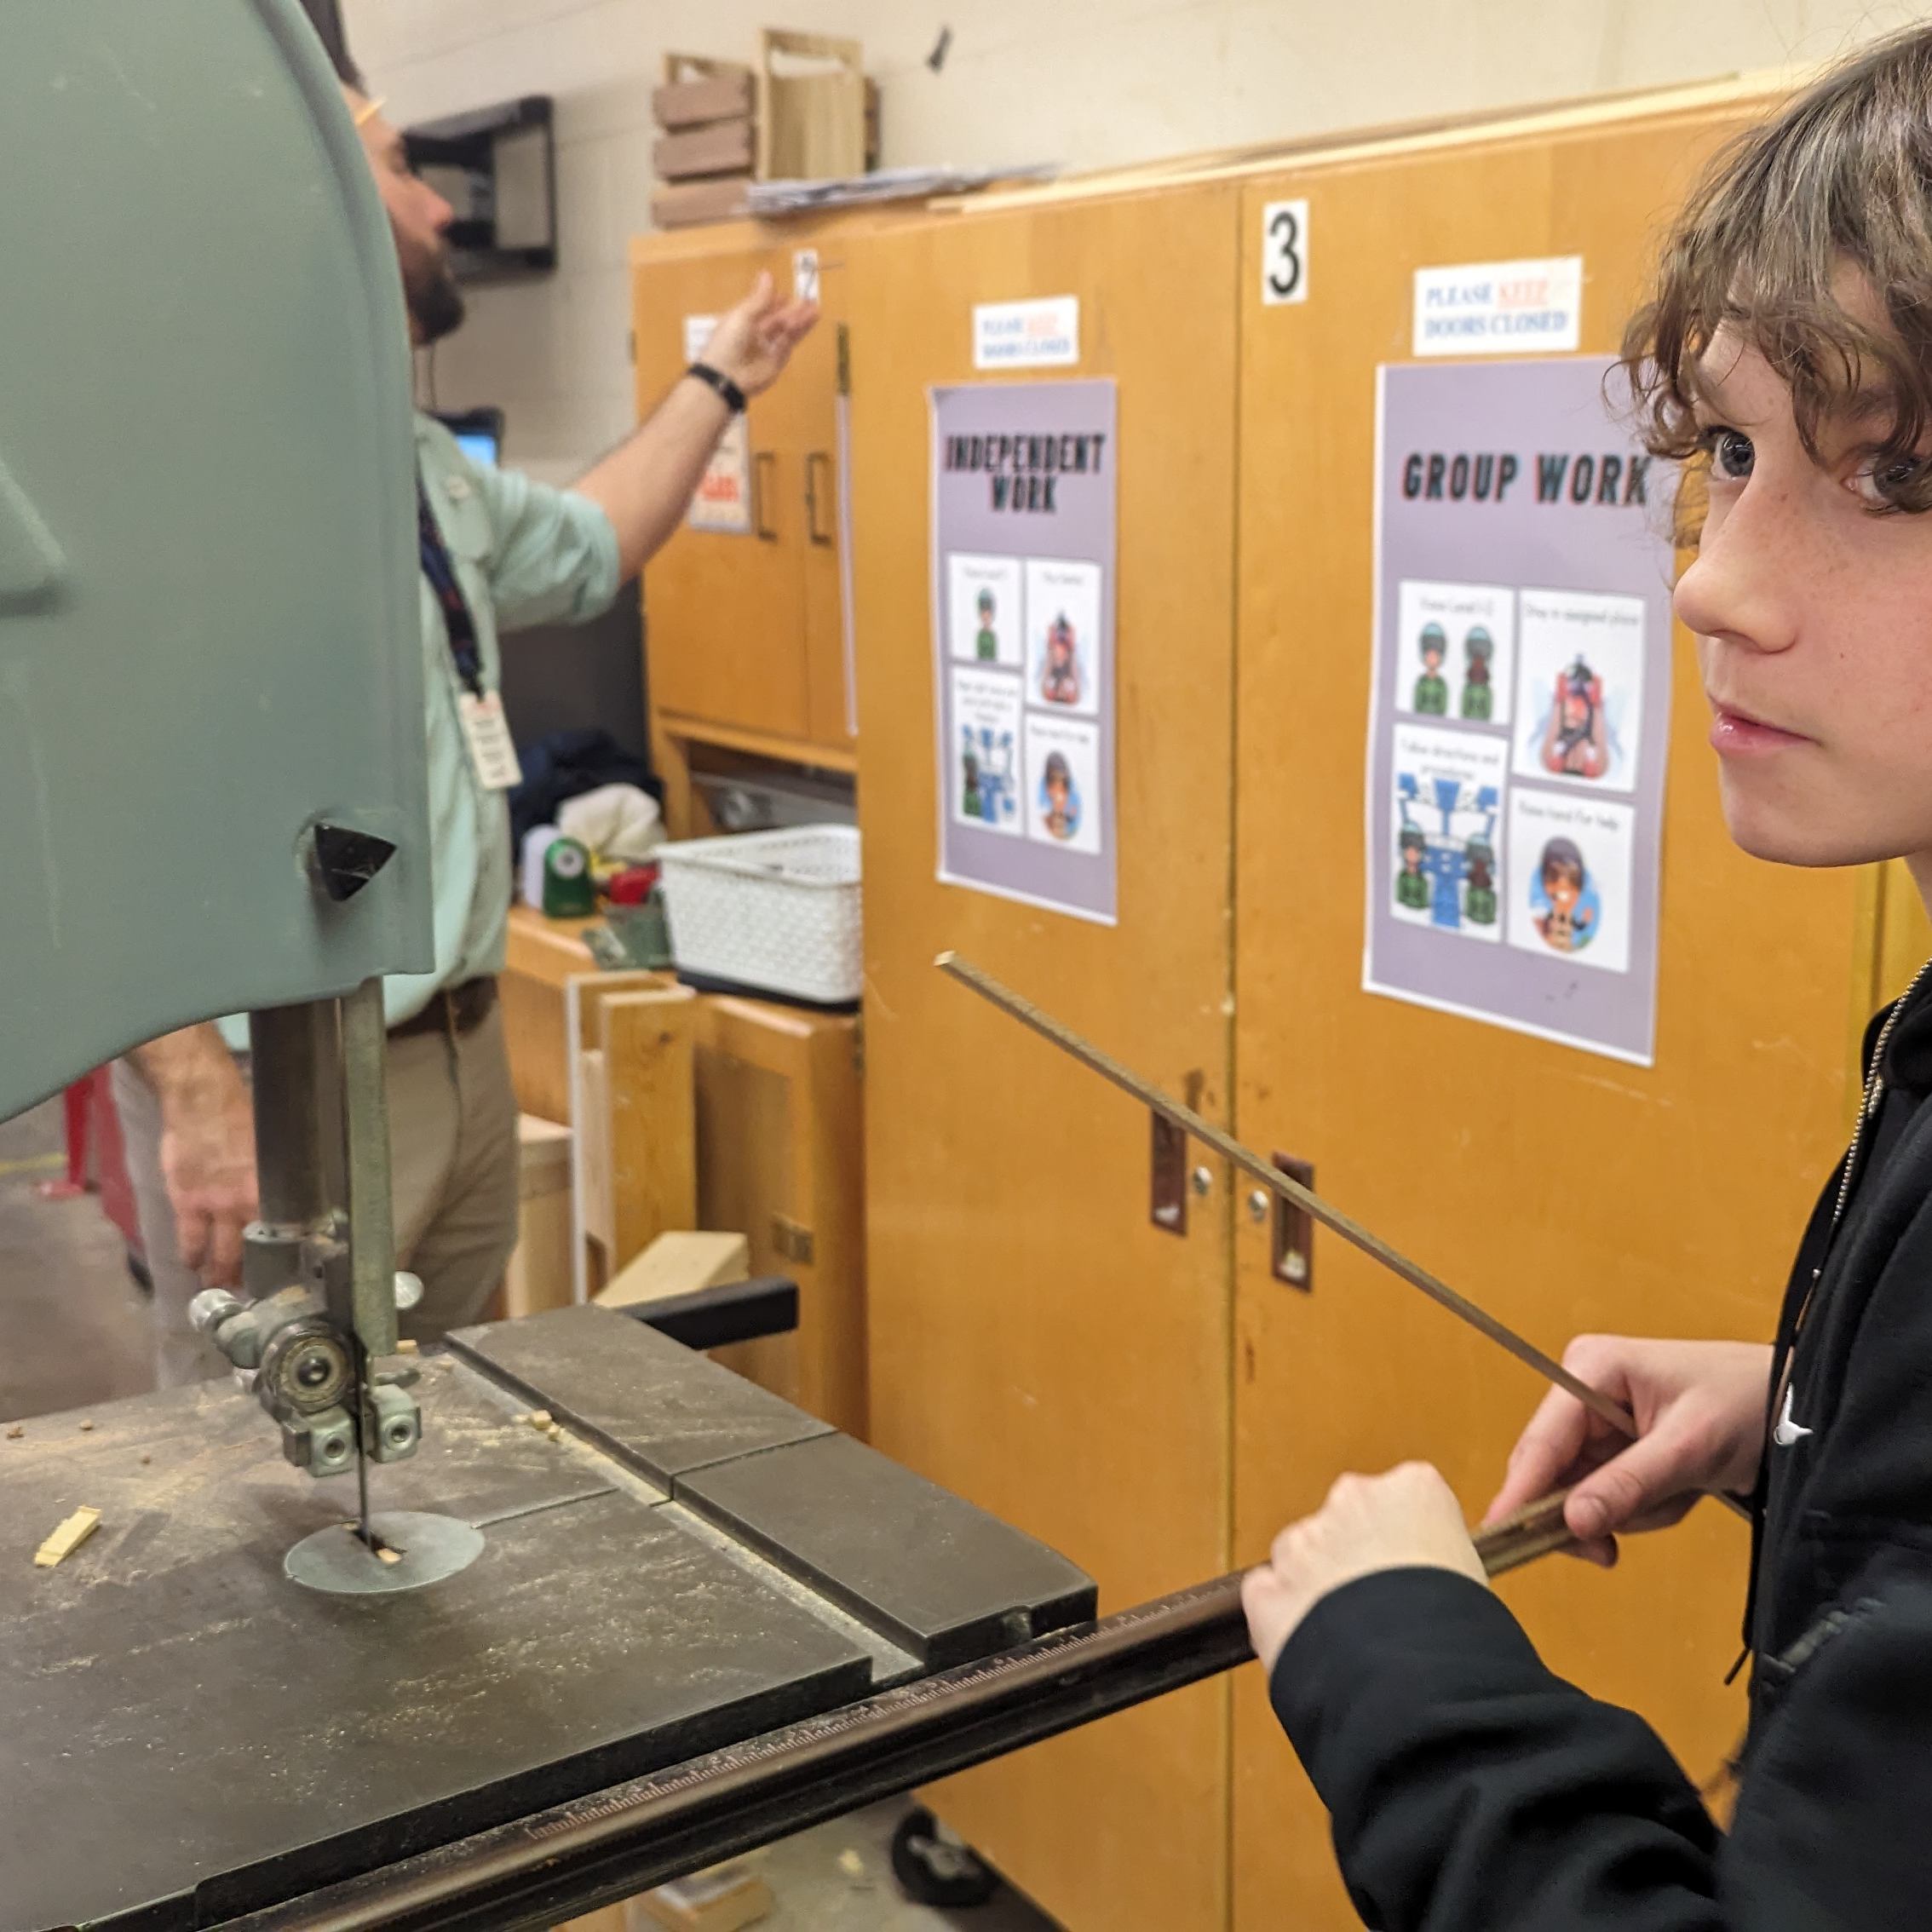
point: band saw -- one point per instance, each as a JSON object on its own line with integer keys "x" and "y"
{"x": 353, "y": 1608}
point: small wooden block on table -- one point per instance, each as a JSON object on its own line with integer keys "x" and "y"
{"x": 680, "y": 1262}
{"x": 68, "y": 1536}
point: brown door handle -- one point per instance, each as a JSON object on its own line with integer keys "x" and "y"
{"x": 1293, "y": 1242}
{"x": 1168, "y": 1186}
{"x": 1169, "y": 1178}
{"x": 764, "y": 465}
{"x": 816, "y": 461}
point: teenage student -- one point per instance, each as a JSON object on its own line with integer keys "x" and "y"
{"x": 1787, "y": 353}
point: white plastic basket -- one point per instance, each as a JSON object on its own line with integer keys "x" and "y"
{"x": 778, "y": 910}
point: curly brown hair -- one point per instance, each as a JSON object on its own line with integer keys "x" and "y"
{"x": 1842, "y": 176}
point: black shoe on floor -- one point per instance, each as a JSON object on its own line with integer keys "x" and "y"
{"x": 933, "y": 1868}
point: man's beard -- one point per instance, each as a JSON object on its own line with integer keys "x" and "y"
{"x": 433, "y": 296}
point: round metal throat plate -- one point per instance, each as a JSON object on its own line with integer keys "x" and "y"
{"x": 427, "y": 1548}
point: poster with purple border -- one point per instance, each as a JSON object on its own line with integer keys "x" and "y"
{"x": 1520, "y": 712}
{"x": 1024, "y": 510}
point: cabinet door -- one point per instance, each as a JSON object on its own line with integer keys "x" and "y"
{"x": 1565, "y": 1192}
{"x": 830, "y": 703}
{"x": 780, "y": 1158}
{"x": 1037, "y": 1343}
{"x": 724, "y": 612}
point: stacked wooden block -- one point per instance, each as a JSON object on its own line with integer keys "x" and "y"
{"x": 806, "y": 112}
{"x": 708, "y": 145}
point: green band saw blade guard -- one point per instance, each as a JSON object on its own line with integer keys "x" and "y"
{"x": 210, "y": 638}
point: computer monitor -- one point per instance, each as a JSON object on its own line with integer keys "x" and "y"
{"x": 479, "y": 432}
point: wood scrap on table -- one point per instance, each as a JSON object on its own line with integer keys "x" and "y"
{"x": 67, "y": 1538}
{"x": 680, "y": 1262}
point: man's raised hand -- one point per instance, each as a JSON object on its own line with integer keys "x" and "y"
{"x": 753, "y": 342}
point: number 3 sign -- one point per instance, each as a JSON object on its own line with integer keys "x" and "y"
{"x": 1285, "y": 252}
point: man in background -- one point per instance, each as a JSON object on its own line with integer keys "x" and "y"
{"x": 498, "y": 552}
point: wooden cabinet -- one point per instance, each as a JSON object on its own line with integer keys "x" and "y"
{"x": 724, "y": 610}
{"x": 1038, "y": 1344}
{"x": 744, "y": 633}
{"x": 1158, "y": 1406}
{"x": 1569, "y": 1193}
{"x": 780, "y": 1160}
{"x": 700, "y": 1110}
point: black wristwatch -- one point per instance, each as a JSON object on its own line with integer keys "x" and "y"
{"x": 716, "y": 379}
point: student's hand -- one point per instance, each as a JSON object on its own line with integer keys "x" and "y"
{"x": 1407, "y": 1516}
{"x": 753, "y": 342}
{"x": 1699, "y": 1409}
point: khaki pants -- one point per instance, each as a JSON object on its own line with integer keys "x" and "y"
{"x": 453, "y": 1146}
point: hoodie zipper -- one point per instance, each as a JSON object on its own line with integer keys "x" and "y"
{"x": 1847, "y": 1178}
{"x": 1868, "y": 1106}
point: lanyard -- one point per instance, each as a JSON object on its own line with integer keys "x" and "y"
{"x": 438, "y": 568}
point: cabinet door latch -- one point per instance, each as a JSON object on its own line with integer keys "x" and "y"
{"x": 1171, "y": 1178}
{"x": 1169, "y": 1208}
{"x": 817, "y": 492}
{"x": 1294, "y": 1229}
{"x": 764, "y": 468}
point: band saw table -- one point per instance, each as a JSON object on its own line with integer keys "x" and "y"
{"x": 193, "y": 1737}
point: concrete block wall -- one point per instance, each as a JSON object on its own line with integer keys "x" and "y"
{"x": 1086, "y": 83}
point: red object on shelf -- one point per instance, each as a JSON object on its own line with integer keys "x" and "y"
{"x": 632, "y": 886}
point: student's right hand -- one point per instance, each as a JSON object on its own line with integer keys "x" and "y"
{"x": 1699, "y": 1409}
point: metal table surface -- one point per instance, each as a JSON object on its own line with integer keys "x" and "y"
{"x": 186, "y": 1736}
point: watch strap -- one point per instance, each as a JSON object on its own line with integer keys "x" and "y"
{"x": 734, "y": 398}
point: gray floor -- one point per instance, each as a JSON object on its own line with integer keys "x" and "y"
{"x": 73, "y": 1327}
{"x": 73, "y": 1332}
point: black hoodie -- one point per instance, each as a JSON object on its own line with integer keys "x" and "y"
{"x": 1471, "y": 1790}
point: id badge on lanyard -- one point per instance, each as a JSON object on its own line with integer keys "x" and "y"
{"x": 493, "y": 756}
{"x": 485, "y": 729}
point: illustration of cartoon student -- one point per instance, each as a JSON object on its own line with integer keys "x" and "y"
{"x": 1576, "y": 741}
{"x": 1432, "y": 688}
{"x": 1479, "y": 901}
{"x": 1479, "y": 695}
{"x": 1569, "y": 923}
{"x": 999, "y": 797}
{"x": 969, "y": 802}
{"x": 987, "y": 640}
{"x": 1411, "y": 888}
{"x": 1060, "y": 677}
{"x": 1060, "y": 801}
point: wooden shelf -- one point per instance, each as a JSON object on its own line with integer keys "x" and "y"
{"x": 700, "y": 731}
{"x": 548, "y": 951}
